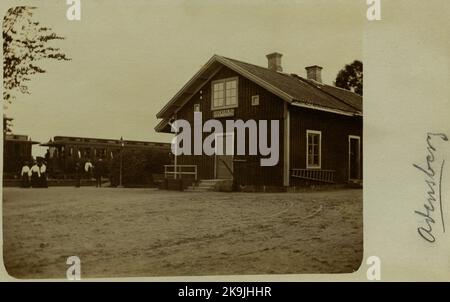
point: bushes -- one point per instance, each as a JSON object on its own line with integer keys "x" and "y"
{"x": 138, "y": 167}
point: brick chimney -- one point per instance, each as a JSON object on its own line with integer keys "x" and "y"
{"x": 274, "y": 61}
{"x": 314, "y": 73}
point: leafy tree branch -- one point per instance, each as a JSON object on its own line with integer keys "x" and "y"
{"x": 351, "y": 77}
{"x": 25, "y": 44}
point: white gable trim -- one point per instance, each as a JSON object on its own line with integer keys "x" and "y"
{"x": 185, "y": 87}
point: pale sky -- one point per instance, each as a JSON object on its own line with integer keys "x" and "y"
{"x": 130, "y": 57}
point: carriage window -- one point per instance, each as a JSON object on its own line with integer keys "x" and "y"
{"x": 313, "y": 149}
{"x": 224, "y": 93}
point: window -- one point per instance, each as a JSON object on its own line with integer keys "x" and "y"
{"x": 196, "y": 107}
{"x": 313, "y": 149}
{"x": 100, "y": 152}
{"x": 86, "y": 152}
{"x": 255, "y": 100}
{"x": 224, "y": 93}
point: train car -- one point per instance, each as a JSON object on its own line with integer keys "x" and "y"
{"x": 137, "y": 159}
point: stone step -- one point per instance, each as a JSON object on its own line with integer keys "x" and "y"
{"x": 190, "y": 189}
{"x": 202, "y": 187}
{"x": 211, "y": 180}
{"x": 205, "y": 185}
{"x": 202, "y": 184}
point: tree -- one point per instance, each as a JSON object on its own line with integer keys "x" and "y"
{"x": 25, "y": 42}
{"x": 351, "y": 77}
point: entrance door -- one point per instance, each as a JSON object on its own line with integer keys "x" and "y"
{"x": 224, "y": 156}
{"x": 354, "y": 158}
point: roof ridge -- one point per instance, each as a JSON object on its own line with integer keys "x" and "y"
{"x": 285, "y": 73}
{"x": 268, "y": 69}
{"x": 326, "y": 92}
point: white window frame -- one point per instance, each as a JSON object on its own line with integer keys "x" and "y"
{"x": 308, "y": 166}
{"x": 224, "y": 81}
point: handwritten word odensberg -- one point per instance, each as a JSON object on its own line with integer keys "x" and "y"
{"x": 432, "y": 171}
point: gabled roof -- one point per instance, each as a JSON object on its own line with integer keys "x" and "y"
{"x": 289, "y": 87}
{"x": 307, "y": 91}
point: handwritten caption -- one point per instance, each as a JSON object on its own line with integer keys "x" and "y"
{"x": 432, "y": 209}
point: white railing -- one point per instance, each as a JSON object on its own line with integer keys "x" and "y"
{"x": 177, "y": 171}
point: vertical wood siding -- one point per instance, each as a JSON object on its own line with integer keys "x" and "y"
{"x": 247, "y": 169}
{"x": 335, "y": 131}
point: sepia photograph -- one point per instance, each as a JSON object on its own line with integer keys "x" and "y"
{"x": 182, "y": 138}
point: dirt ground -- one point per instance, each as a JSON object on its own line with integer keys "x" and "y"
{"x": 143, "y": 232}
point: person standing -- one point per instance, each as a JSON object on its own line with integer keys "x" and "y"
{"x": 25, "y": 175}
{"x": 98, "y": 173}
{"x": 43, "y": 179}
{"x": 88, "y": 169}
{"x": 77, "y": 174}
{"x": 35, "y": 175}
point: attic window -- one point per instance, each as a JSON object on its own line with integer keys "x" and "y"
{"x": 224, "y": 93}
{"x": 255, "y": 100}
{"x": 196, "y": 107}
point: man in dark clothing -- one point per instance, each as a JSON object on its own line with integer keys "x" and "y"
{"x": 35, "y": 175}
{"x": 43, "y": 179}
{"x": 98, "y": 173}
{"x": 77, "y": 174}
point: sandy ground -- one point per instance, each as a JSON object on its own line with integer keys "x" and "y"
{"x": 142, "y": 232}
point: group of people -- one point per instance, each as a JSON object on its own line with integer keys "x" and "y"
{"x": 34, "y": 176}
{"x": 89, "y": 171}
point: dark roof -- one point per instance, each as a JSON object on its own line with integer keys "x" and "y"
{"x": 306, "y": 91}
{"x": 351, "y": 98}
{"x": 87, "y": 141}
{"x": 19, "y": 138}
{"x": 289, "y": 87}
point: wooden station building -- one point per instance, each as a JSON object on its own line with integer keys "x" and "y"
{"x": 320, "y": 131}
